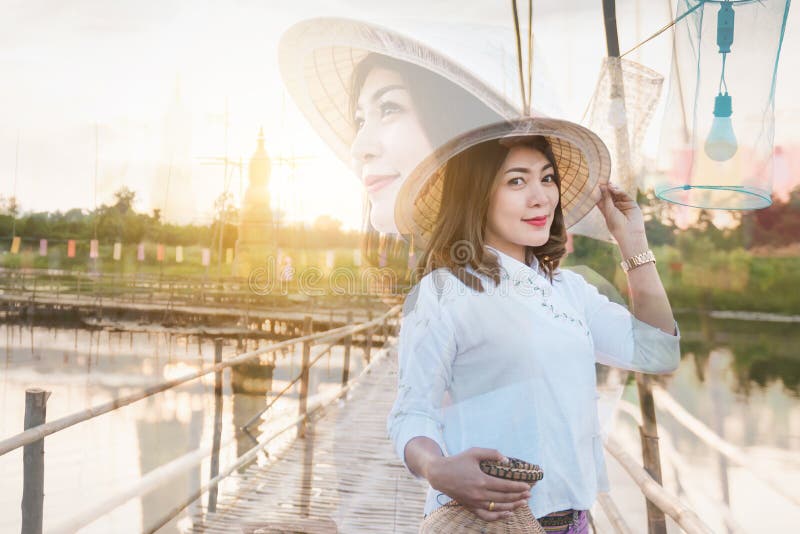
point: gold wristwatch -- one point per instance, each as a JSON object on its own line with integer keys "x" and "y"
{"x": 639, "y": 259}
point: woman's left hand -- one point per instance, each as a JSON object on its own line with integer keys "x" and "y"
{"x": 622, "y": 214}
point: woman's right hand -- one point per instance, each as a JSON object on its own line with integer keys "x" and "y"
{"x": 460, "y": 477}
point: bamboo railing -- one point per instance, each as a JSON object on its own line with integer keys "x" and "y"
{"x": 32, "y": 439}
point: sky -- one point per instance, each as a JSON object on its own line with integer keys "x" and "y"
{"x": 94, "y": 87}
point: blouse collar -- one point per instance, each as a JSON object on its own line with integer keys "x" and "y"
{"x": 514, "y": 267}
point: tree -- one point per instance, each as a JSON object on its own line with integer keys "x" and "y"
{"x": 777, "y": 225}
{"x": 125, "y": 198}
{"x": 9, "y": 206}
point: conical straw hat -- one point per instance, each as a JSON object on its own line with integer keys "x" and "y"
{"x": 317, "y": 58}
{"x": 582, "y": 160}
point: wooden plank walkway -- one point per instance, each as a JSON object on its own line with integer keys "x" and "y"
{"x": 323, "y": 319}
{"x": 344, "y": 476}
{"x": 252, "y": 313}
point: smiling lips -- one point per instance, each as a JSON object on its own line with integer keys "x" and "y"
{"x": 375, "y": 182}
{"x": 536, "y": 221}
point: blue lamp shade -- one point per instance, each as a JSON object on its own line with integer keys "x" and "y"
{"x": 716, "y": 149}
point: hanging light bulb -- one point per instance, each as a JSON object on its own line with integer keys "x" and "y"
{"x": 721, "y": 141}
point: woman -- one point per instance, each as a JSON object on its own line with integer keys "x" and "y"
{"x": 498, "y": 346}
{"x": 338, "y": 72}
{"x": 400, "y": 113}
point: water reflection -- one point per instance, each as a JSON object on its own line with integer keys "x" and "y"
{"x": 762, "y": 351}
{"x": 739, "y": 379}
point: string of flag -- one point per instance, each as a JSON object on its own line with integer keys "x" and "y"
{"x": 116, "y": 255}
{"x": 284, "y": 260}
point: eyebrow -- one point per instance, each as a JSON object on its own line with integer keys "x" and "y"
{"x": 527, "y": 170}
{"x": 382, "y": 91}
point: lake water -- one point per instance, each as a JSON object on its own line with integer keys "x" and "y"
{"x": 739, "y": 377}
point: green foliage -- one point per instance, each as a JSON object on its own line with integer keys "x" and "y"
{"x": 776, "y": 226}
{"x": 703, "y": 267}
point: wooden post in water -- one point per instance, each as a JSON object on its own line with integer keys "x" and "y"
{"x": 302, "y": 425}
{"x": 214, "y": 468}
{"x": 348, "y": 342}
{"x": 33, "y": 463}
{"x": 656, "y": 522}
{"x": 368, "y": 334}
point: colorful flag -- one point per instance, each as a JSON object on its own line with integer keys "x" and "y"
{"x": 71, "y": 248}
{"x": 43, "y": 247}
{"x": 117, "y": 251}
{"x": 179, "y": 254}
{"x": 15, "y": 243}
{"x": 140, "y": 252}
{"x": 94, "y": 248}
{"x": 160, "y": 252}
{"x": 206, "y": 257}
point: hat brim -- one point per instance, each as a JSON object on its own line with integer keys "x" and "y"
{"x": 317, "y": 58}
{"x": 582, "y": 160}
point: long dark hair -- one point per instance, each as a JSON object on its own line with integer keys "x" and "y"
{"x": 458, "y": 240}
{"x": 445, "y": 110}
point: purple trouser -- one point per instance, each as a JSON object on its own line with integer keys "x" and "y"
{"x": 581, "y": 526}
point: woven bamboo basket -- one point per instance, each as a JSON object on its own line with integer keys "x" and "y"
{"x": 454, "y": 518}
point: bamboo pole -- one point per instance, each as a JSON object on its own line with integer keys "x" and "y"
{"x": 675, "y": 459}
{"x": 348, "y": 342}
{"x": 33, "y": 463}
{"x": 368, "y": 348}
{"x": 733, "y": 453}
{"x": 648, "y": 430}
{"x": 214, "y": 467}
{"x": 146, "y": 484}
{"x": 655, "y": 493}
{"x": 613, "y": 514}
{"x": 301, "y": 429}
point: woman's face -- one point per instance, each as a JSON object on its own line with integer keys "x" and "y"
{"x": 523, "y": 202}
{"x": 389, "y": 142}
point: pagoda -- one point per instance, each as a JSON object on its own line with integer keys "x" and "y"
{"x": 256, "y": 229}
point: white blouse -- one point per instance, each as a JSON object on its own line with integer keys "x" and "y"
{"x": 513, "y": 368}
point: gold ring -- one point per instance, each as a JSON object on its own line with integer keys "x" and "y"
{"x": 491, "y": 506}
